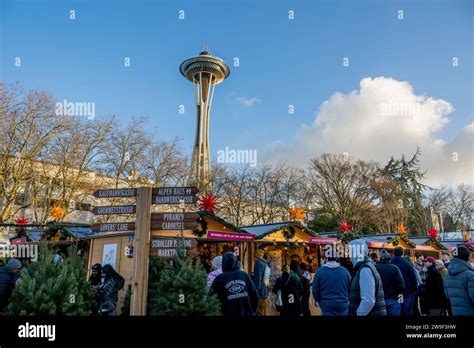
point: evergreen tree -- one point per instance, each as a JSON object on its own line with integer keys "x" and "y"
{"x": 52, "y": 289}
{"x": 179, "y": 290}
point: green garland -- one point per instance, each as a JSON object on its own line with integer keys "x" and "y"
{"x": 201, "y": 232}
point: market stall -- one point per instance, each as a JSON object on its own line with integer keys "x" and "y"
{"x": 283, "y": 242}
{"x": 213, "y": 236}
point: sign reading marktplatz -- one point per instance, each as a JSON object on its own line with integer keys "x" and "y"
{"x": 168, "y": 247}
{"x": 174, "y": 195}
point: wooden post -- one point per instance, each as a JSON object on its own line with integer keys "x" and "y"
{"x": 141, "y": 251}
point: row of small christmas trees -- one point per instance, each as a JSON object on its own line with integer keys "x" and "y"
{"x": 176, "y": 290}
{"x": 53, "y": 288}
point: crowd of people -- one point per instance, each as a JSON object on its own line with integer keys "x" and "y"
{"x": 385, "y": 285}
{"x": 389, "y": 285}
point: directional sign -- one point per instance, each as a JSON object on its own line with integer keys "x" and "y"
{"x": 114, "y": 209}
{"x": 114, "y": 193}
{"x": 174, "y": 195}
{"x": 114, "y": 227}
{"x": 190, "y": 217}
{"x": 168, "y": 248}
{"x": 173, "y": 225}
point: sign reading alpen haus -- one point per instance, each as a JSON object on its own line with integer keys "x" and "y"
{"x": 174, "y": 195}
{"x": 168, "y": 247}
{"x": 114, "y": 227}
{"x": 114, "y": 193}
{"x": 114, "y": 209}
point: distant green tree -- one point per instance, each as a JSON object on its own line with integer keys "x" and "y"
{"x": 324, "y": 222}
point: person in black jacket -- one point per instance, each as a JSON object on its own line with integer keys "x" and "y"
{"x": 306, "y": 290}
{"x": 8, "y": 276}
{"x": 434, "y": 298}
{"x": 108, "y": 292}
{"x": 392, "y": 282}
{"x": 235, "y": 289}
{"x": 409, "y": 278}
{"x": 292, "y": 290}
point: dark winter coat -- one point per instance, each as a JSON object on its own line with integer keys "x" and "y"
{"x": 355, "y": 297}
{"x": 259, "y": 277}
{"x": 235, "y": 289}
{"x": 408, "y": 274}
{"x": 7, "y": 284}
{"x": 108, "y": 294}
{"x": 433, "y": 295}
{"x": 392, "y": 279}
{"x": 459, "y": 287}
{"x": 291, "y": 294}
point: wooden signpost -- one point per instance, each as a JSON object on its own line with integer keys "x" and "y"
{"x": 145, "y": 222}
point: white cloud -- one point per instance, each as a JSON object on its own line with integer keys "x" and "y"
{"x": 248, "y": 102}
{"x": 384, "y": 118}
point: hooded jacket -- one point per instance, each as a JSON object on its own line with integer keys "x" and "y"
{"x": 235, "y": 289}
{"x": 332, "y": 284}
{"x": 259, "y": 277}
{"x": 7, "y": 284}
{"x": 108, "y": 293}
{"x": 459, "y": 287}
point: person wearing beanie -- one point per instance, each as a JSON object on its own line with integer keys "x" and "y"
{"x": 393, "y": 284}
{"x": 459, "y": 283}
{"x": 446, "y": 259}
{"x": 409, "y": 275}
{"x": 331, "y": 286}
{"x": 433, "y": 297}
{"x": 260, "y": 269}
{"x": 366, "y": 294}
{"x": 216, "y": 270}
{"x": 8, "y": 278}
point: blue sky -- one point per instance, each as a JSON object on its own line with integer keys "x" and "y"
{"x": 282, "y": 61}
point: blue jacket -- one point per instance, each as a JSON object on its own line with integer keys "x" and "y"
{"x": 459, "y": 287}
{"x": 332, "y": 283}
{"x": 259, "y": 276}
{"x": 408, "y": 274}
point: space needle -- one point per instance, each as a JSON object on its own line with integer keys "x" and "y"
{"x": 205, "y": 71}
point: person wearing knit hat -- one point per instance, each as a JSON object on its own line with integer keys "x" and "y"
{"x": 433, "y": 297}
{"x": 393, "y": 284}
{"x": 8, "y": 278}
{"x": 261, "y": 271}
{"x": 216, "y": 270}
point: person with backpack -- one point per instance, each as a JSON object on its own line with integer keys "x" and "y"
{"x": 108, "y": 292}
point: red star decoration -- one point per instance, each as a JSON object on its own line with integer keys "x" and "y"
{"x": 22, "y": 220}
{"x": 208, "y": 203}
{"x": 344, "y": 226}
{"x": 433, "y": 233}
